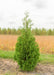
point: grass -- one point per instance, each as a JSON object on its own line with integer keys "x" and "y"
{"x": 6, "y": 54}
{"x": 44, "y": 58}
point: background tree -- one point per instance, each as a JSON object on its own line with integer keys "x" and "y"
{"x": 4, "y": 31}
{"x": 8, "y": 31}
{"x": 53, "y": 32}
{"x": 33, "y": 32}
{"x": 37, "y": 31}
{"x": 49, "y": 32}
{"x": 43, "y": 31}
{"x": 19, "y": 31}
{"x": 27, "y": 50}
{"x": 13, "y": 31}
{"x": 0, "y": 30}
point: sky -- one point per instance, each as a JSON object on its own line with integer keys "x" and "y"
{"x": 40, "y": 11}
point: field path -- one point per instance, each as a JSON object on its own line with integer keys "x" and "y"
{"x": 10, "y": 67}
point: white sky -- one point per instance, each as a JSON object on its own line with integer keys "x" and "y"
{"x": 41, "y": 13}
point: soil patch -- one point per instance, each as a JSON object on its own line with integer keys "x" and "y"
{"x": 10, "y": 67}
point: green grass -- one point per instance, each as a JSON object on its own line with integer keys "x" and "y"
{"x": 44, "y": 58}
{"x": 6, "y": 54}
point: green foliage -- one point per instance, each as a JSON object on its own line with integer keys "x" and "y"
{"x": 8, "y": 31}
{"x": 43, "y": 58}
{"x": 43, "y": 31}
{"x": 27, "y": 50}
{"x": 53, "y": 32}
{"x": 49, "y": 32}
{"x": 35, "y": 31}
{"x": 4, "y": 31}
{"x": 19, "y": 31}
{"x": 0, "y": 30}
{"x": 13, "y": 31}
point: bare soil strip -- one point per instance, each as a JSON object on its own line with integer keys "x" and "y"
{"x": 10, "y": 67}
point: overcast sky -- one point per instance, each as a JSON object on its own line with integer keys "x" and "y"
{"x": 41, "y": 13}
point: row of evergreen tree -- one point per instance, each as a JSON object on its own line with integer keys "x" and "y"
{"x": 35, "y": 31}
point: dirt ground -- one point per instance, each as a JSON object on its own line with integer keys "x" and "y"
{"x": 10, "y": 67}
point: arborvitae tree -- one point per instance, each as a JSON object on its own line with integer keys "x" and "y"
{"x": 27, "y": 50}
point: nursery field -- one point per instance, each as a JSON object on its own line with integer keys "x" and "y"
{"x": 46, "y": 43}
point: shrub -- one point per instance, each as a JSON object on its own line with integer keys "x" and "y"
{"x": 27, "y": 50}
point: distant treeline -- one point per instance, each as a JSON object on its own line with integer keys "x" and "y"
{"x": 35, "y": 31}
